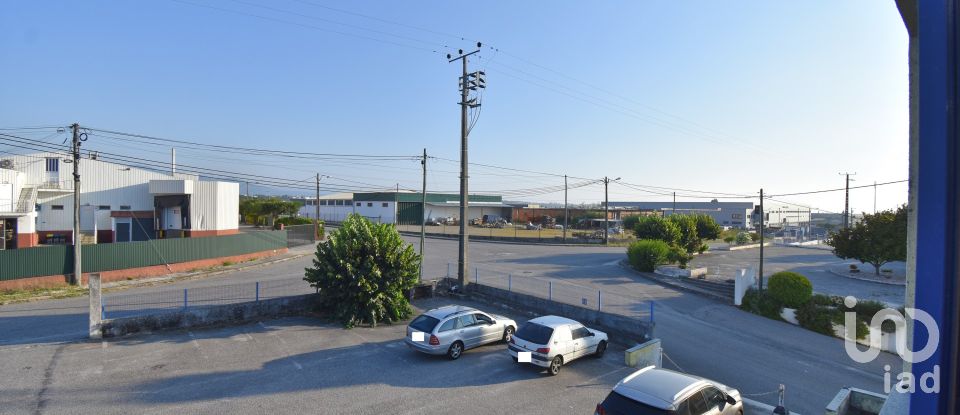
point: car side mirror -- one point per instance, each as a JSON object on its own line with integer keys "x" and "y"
{"x": 730, "y": 400}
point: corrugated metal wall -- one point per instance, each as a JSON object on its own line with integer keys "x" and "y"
{"x": 58, "y": 260}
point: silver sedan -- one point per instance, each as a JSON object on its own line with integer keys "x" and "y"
{"x": 452, "y": 329}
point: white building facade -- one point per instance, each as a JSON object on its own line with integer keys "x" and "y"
{"x": 117, "y": 203}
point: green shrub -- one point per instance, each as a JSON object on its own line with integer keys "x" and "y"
{"x": 703, "y": 248}
{"x": 630, "y": 222}
{"x": 824, "y": 300}
{"x": 645, "y": 254}
{"x": 754, "y": 236}
{"x": 790, "y": 289}
{"x": 743, "y": 238}
{"x": 762, "y": 304}
{"x": 862, "y": 330}
{"x": 679, "y": 256}
{"x": 363, "y": 273}
{"x": 817, "y": 317}
{"x": 657, "y": 228}
{"x": 730, "y": 239}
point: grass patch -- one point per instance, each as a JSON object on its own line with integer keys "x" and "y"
{"x": 20, "y": 296}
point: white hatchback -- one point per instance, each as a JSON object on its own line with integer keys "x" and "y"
{"x": 553, "y": 341}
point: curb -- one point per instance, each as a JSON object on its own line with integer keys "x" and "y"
{"x": 670, "y": 284}
{"x": 866, "y": 279}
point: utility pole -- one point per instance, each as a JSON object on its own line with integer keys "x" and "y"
{"x": 606, "y": 209}
{"x": 423, "y": 210}
{"x": 173, "y": 161}
{"x": 874, "y": 197}
{"x": 316, "y": 205}
{"x": 248, "y": 189}
{"x": 566, "y": 211}
{"x": 846, "y": 202}
{"x": 77, "y": 278}
{"x": 468, "y": 82}
{"x": 760, "y": 232}
{"x": 674, "y": 211}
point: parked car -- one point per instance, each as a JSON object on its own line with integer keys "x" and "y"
{"x": 554, "y": 341}
{"x": 452, "y": 329}
{"x": 652, "y": 390}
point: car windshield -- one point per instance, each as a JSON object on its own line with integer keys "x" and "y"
{"x": 535, "y": 333}
{"x": 424, "y": 323}
{"x": 617, "y": 404}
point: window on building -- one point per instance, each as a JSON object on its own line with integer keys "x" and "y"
{"x": 385, "y": 204}
{"x": 369, "y": 204}
{"x": 103, "y": 207}
{"x": 358, "y": 203}
{"x": 124, "y": 207}
{"x": 53, "y": 164}
{"x": 37, "y": 207}
{"x": 736, "y": 216}
{"x": 56, "y": 207}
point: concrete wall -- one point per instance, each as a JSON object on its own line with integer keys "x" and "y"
{"x": 621, "y": 329}
{"x": 210, "y": 315}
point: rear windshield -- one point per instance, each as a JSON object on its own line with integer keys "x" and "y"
{"x": 424, "y": 323}
{"x": 617, "y": 404}
{"x": 535, "y": 333}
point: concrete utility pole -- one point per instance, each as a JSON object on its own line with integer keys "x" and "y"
{"x": 316, "y": 205}
{"x": 77, "y": 278}
{"x": 606, "y": 209}
{"x": 674, "y": 210}
{"x": 874, "y": 197}
{"x": 468, "y": 82}
{"x": 423, "y": 210}
{"x": 846, "y": 202}
{"x": 173, "y": 161}
{"x": 760, "y": 232}
{"x": 566, "y": 211}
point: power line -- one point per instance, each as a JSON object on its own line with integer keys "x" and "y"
{"x": 307, "y": 26}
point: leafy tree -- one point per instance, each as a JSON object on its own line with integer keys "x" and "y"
{"x": 363, "y": 273}
{"x": 260, "y": 209}
{"x": 630, "y": 222}
{"x": 645, "y": 254}
{"x": 707, "y": 228}
{"x": 689, "y": 239}
{"x": 876, "y": 240}
{"x": 679, "y": 255}
{"x": 657, "y": 228}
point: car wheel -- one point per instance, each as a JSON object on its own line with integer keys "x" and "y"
{"x": 507, "y": 334}
{"x": 602, "y": 347}
{"x": 456, "y": 349}
{"x": 555, "y": 365}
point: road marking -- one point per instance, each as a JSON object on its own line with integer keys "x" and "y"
{"x": 283, "y": 348}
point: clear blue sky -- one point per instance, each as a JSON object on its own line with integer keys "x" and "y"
{"x": 719, "y": 96}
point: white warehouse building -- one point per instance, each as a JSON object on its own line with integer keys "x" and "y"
{"x": 117, "y": 203}
{"x": 404, "y": 207}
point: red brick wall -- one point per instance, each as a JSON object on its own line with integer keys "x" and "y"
{"x": 26, "y": 240}
{"x": 200, "y": 234}
{"x": 135, "y": 273}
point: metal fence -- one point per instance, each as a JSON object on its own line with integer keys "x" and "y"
{"x": 556, "y": 290}
{"x": 298, "y": 235}
{"x": 179, "y": 299}
{"x": 58, "y": 260}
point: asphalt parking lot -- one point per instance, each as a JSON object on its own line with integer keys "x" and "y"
{"x": 295, "y": 365}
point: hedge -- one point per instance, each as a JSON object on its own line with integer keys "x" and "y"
{"x": 790, "y": 289}
{"x": 645, "y": 254}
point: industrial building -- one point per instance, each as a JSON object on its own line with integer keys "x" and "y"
{"x": 117, "y": 203}
{"x": 731, "y": 214}
{"x": 403, "y": 207}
